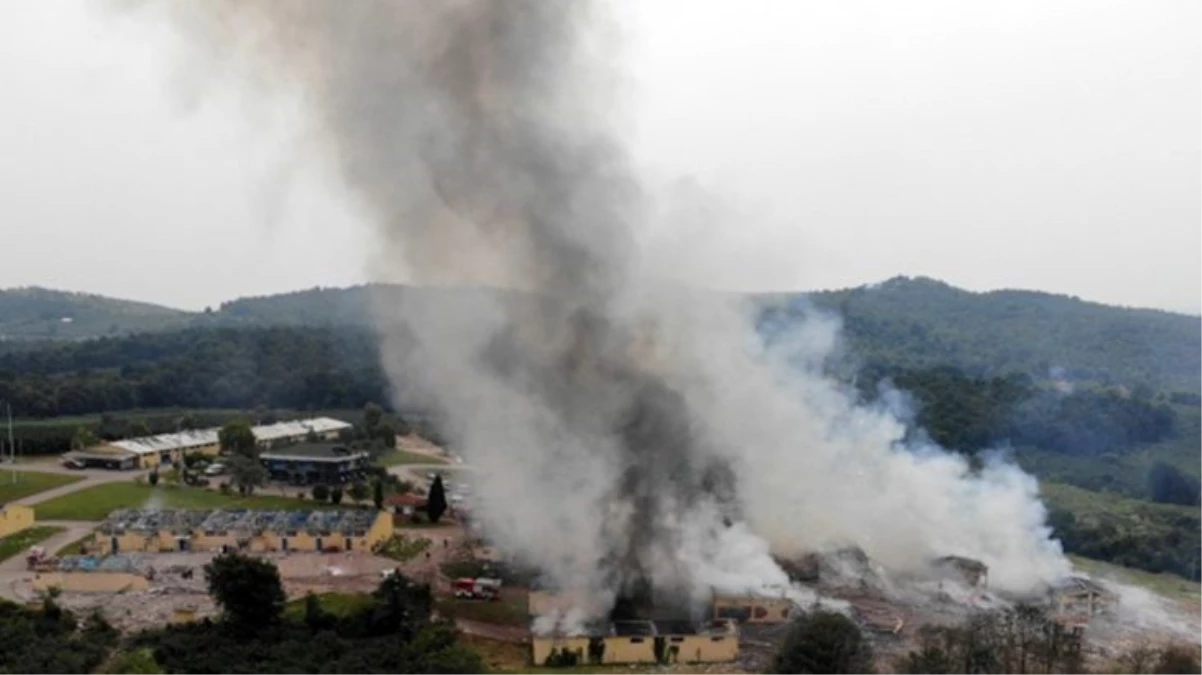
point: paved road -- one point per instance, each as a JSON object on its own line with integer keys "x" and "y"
{"x": 13, "y": 572}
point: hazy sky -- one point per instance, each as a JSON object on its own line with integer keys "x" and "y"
{"x": 792, "y": 145}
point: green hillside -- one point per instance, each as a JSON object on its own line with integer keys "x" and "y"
{"x": 903, "y": 322}
{"x": 922, "y": 323}
{"x": 38, "y": 313}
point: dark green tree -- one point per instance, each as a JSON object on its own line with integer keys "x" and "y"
{"x": 385, "y": 434}
{"x": 321, "y": 492}
{"x": 153, "y": 478}
{"x": 247, "y": 589}
{"x": 138, "y": 428}
{"x": 247, "y": 473}
{"x": 401, "y": 605}
{"x": 1178, "y": 659}
{"x": 83, "y": 438}
{"x": 436, "y": 502}
{"x": 377, "y": 495}
{"x": 372, "y": 414}
{"x": 1168, "y": 485}
{"x": 336, "y": 495}
{"x": 316, "y": 618}
{"x": 237, "y": 438}
{"x": 823, "y": 642}
{"x": 358, "y": 491}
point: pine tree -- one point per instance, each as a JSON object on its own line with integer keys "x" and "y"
{"x": 436, "y": 503}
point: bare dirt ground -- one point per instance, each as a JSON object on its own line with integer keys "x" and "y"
{"x": 301, "y": 573}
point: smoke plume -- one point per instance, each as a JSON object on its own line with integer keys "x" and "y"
{"x": 634, "y": 438}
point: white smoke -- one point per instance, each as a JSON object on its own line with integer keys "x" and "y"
{"x": 476, "y": 136}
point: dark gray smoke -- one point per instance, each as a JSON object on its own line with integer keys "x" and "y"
{"x": 632, "y": 439}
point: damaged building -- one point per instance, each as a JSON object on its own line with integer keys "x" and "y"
{"x": 974, "y": 573}
{"x": 242, "y": 530}
{"x": 90, "y": 574}
{"x": 1078, "y": 599}
{"x": 643, "y": 641}
{"x": 754, "y": 609}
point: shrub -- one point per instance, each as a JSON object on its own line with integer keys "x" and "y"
{"x": 321, "y": 492}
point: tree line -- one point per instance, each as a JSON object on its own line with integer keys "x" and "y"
{"x": 969, "y": 414}
{"x": 393, "y": 631}
{"x": 280, "y": 367}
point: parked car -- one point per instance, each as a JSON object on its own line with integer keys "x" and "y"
{"x": 73, "y": 464}
{"x": 215, "y": 469}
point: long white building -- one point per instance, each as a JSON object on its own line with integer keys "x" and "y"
{"x": 149, "y": 451}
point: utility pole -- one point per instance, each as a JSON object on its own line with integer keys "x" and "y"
{"x": 12, "y": 447}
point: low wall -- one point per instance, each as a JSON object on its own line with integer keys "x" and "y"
{"x": 90, "y": 582}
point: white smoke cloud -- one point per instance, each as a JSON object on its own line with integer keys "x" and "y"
{"x": 599, "y": 410}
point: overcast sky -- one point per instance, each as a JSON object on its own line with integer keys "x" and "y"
{"x": 795, "y": 145}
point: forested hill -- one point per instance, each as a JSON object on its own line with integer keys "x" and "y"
{"x": 913, "y": 323}
{"x": 921, "y": 323}
{"x": 38, "y": 313}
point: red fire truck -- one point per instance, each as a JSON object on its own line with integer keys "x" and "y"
{"x": 477, "y": 589}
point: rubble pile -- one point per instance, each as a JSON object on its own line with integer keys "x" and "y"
{"x": 223, "y": 521}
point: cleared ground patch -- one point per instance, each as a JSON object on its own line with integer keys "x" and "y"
{"x": 28, "y": 483}
{"x": 338, "y": 604}
{"x": 1167, "y": 585}
{"x": 398, "y": 457}
{"x": 511, "y": 610}
{"x": 95, "y": 503}
{"x": 21, "y": 541}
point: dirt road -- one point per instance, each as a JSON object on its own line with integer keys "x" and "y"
{"x": 13, "y": 571}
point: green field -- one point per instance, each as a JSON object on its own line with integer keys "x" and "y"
{"x": 95, "y": 503}
{"x": 396, "y": 457}
{"x": 21, "y": 541}
{"x": 1167, "y": 585}
{"x": 511, "y": 610}
{"x": 75, "y": 547}
{"x": 338, "y": 604}
{"x": 31, "y": 482}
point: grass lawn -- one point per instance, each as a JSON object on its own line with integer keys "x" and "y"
{"x": 396, "y": 457}
{"x": 511, "y": 610}
{"x": 1167, "y": 585}
{"x": 21, "y": 541}
{"x": 31, "y": 482}
{"x": 338, "y": 604}
{"x": 95, "y": 503}
{"x": 75, "y": 547}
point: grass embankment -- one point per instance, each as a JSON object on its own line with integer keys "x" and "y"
{"x": 338, "y": 604}
{"x": 403, "y": 549}
{"x": 30, "y": 483}
{"x": 21, "y": 541}
{"x": 1111, "y": 507}
{"x": 511, "y": 610}
{"x": 398, "y": 457}
{"x": 1166, "y": 585}
{"x": 95, "y": 503}
{"x": 75, "y": 547}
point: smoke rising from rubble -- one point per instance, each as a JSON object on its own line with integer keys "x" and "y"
{"x": 631, "y": 436}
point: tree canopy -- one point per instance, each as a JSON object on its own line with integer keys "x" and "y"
{"x": 248, "y": 589}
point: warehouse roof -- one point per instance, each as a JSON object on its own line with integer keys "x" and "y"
{"x": 146, "y": 445}
{"x": 314, "y": 452}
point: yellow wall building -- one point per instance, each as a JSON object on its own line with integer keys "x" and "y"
{"x": 753, "y": 609}
{"x": 717, "y": 643}
{"x": 256, "y": 531}
{"x": 14, "y": 518}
